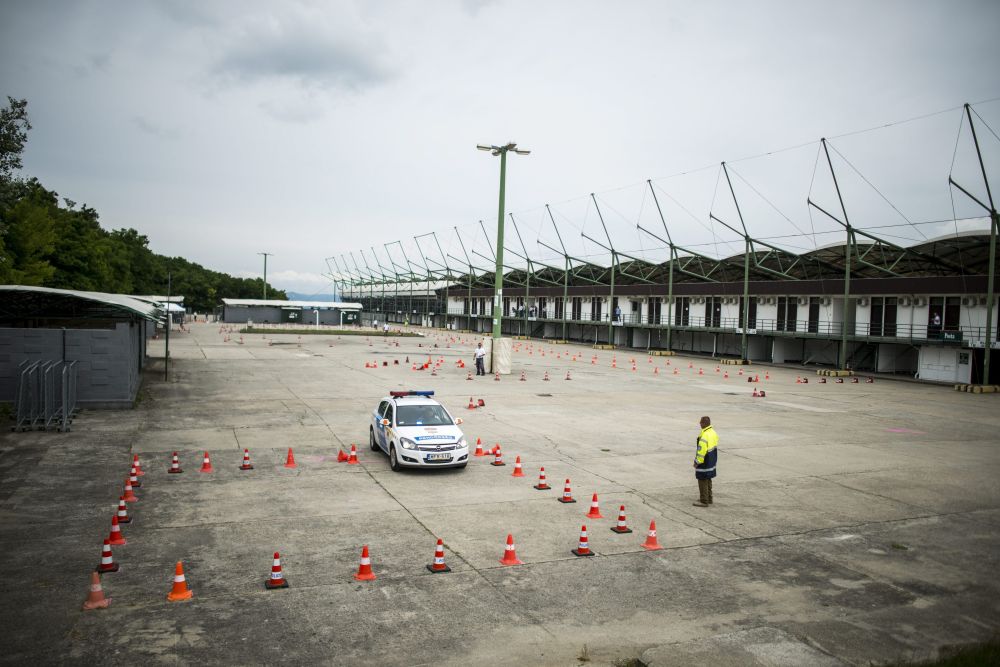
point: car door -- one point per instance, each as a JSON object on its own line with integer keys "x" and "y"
{"x": 377, "y": 427}
{"x": 384, "y": 432}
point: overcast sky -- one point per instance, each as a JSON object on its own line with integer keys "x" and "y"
{"x": 311, "y": 129}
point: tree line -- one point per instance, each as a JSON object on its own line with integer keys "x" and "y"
{"x": 48, "y": 243}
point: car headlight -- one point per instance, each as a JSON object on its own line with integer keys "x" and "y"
{"x": 407, "y": 444}
{"x": 463, "y": 443}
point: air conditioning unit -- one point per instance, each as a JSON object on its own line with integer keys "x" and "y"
{"x": 920, "y": 301}
{"x": 905, "y": 301}
{"x": 803, "y": 301}
{"x": 770, "y": 300}
{"x": 863, "y": 301}
{"x": 982, "y": 301}
{"x": 825, "y": 301}
{"x": 969, "y": 300}
{"x": 699, "y": 299}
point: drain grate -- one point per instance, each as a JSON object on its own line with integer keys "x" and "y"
{"x": 544, "y": 395}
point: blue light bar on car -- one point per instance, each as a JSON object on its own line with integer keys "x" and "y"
{"x": 411, "y": 392}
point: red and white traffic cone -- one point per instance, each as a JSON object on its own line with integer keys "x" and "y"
{"x": 439, "y": 565}
{"x": 246, "y": 460}
{"x": 128, "y": 495}
{"x": 116, "y": 538}
{"x": 206, "y": 464}
{"x": 497, "y": 457}
{"x": 583, "y": 549}
{"x": 622, "y": 526}
{"x": 595, "y": 509}
{"x": 123, "y": 516}
{"x": 95, "y": 598}
{"x": 567, "y": 376}
{"x": 108, "y": 563}
{"x": 364, "y": 572}
{"x": 175, "y": 466}
{"x": 510, "y": 554}
{"x": 277, "y": 579}
{"x": 352, "y": 460}
{"x": 542, "y": 484}
{"x": 546, "y": 377}
{"x": 341, "y": 456}
{"x": 290, "y": 459}
{"x": 567, "y": 496}
{"x": 518, "y": 472}
{"x": 133, "y": 478}
{"x": 135, "y": 464}
{"x": 479, "y": 448}
{"x": 651, "y": 544}
{"x": 523, "y": 378}
{"x": 179, "y": 591}
{"x": 472, "y": 404}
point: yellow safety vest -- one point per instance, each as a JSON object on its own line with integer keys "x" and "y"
{"x": 708, "y": 440}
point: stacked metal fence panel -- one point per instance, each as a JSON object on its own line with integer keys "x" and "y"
{"x": 46, "y": 395}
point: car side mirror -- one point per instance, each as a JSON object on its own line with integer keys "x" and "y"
{"x": 385, "y": 422}
{"x": 458, "y": 420}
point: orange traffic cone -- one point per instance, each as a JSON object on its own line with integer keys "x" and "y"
{"x": 341, "y": 456}
{"x": 498, "y": 457}
{"x": 108, "y": 563}
{"x": 517, "y": 468}
{"x": 116, "y": 538}
{"x": 175, "y": 466}
{"x": 469, "y": 376}
{"x": 546, "y": 378}
{"x": 567, "y": 376}
{"x": 95, "y": 598}
{"x": 755, "y": 394}
{"x": 135, "y": 464}
{"x": 246, "y": 460}
{"x": 180, "y": 590}
{"x": 277, "y": 579}
{"x": 510, "y": 554}
{"x": 128, "y": 495}
{"x": 542, "y": 484}
{"x": 290, "y": 459}
{"x": 352, "y": 460}
{"x": 472, "y": 404}
{"x": 595, "y": 510}
{"x": 364, "y": 572}
{"x": 583, "y": 549}
{"x": 497, "y": 377}
{"x": 651, "y": 544}
{"x": 439, "y": 565}
{"x": 656, "y": 370}
{"x": 206, "y": 464}
{"x": 567, "y": 496}
{"x": 123, "y": 516}
{"x": 622, "y": 527}
{"x": 523, "y": 379}
{"x": 479, "y": 448}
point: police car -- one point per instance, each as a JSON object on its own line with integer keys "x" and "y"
{"x": 416, "y": 431}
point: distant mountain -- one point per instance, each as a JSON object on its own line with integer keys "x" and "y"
{"x": 299, "y": 296}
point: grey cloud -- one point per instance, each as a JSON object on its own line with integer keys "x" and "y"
{"x": 153, "y": 129}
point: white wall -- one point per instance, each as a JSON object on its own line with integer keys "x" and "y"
{"x": 942, "y": 364}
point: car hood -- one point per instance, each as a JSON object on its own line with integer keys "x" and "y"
{"x": 433, "y": 435}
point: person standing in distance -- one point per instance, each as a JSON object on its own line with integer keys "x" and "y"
{"x": 705, "y": 458}
{"x": 480, "y": 360}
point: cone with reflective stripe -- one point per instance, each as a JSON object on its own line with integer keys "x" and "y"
{"x": 123, "y": 516}
{"x": 583, "y": 549}
{"x": 510, "y": 554}
{"x": 364, "y": 572}
{"x": 108, "y": 563}
{"x": 439, "y": 565}
{"x": 95, "y": 598}
{"x": 290, "y": 459}
{"x": 479, "y": 448}
{"x": 277, "y": 579}
{"x": 542, "y": 484}
{"x": 206, "y": 464}
{"x": 352, "y": 460}
{"x": 116, "y": 538}
{"x": 567, "y": 496}
{"x": 133, "y": 478}
{"x": 135, "y": 464}
{"x": 246, "y": 461}
{"x": 622, "y": 526}
{"x": 497, "y": 457}
{"x": 518, "y": 472}
{"x": 179, "y": 591}
{"x": 175, "y": 466}
{"x": 651, "y": 544}
{"x": 128, "y": 495}
{"x": 595, "y": 509}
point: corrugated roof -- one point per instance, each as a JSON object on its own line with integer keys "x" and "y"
{"x": 30, "y": 301}
{"x": 342, "y": 305}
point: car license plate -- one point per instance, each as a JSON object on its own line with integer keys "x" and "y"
{"x": 438, "y": 457}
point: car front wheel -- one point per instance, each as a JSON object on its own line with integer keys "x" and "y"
{"x": 371, "y": 439}
{"x": 393, "y": 461}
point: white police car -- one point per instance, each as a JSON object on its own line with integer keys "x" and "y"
{"x": 416, "y": 431}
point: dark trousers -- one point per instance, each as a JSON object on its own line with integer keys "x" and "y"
{"x": 480, "y": 370}
{"x": 705, "y": 491}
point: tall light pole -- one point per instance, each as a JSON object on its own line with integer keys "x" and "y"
{"x": 266, "y": 255}
{"x": 498, "y": 281}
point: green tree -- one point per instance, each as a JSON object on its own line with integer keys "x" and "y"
{"x": 14, "y": 128}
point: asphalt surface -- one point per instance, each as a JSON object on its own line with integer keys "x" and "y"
{"x": 853, "y": 523}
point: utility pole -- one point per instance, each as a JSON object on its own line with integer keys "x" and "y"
{"x": 266, "y": 255}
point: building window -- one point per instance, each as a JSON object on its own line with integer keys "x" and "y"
{"x": 788, "y": 310}
{"x": 943, "y": 315}
{"x": 560, "y": 307}
{"x": 752, "y": 315}
{"x": 577, "y": 313}
{"x": 542, "y": 303}
{"x": 506, "y": 306}
{"x": 713, "y": 311}
{"x": 654, "y": 309}
{"x": 465, "y": 306}
{"x": 813, "y": 324}
{"x": 682, "y": 311}
{"x": 883, "y": 316}
{"x": 595, "y": 309}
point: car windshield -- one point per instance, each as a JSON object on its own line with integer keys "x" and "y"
{"x": 422, "y": 415}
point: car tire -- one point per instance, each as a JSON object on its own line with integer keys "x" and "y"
{"x": 393, "y": 460}
{"x": 371, "y": 439}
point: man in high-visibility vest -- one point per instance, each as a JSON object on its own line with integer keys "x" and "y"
{"x": 704, "y": 462}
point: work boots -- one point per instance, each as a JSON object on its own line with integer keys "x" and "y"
{"x": 703, "y": 492}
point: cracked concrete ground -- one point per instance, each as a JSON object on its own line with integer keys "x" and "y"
{"x": 853, "y": 524}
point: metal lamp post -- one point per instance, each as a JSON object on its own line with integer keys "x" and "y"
{"x": 266, "y": 255}
{"x": 498, "y": 278}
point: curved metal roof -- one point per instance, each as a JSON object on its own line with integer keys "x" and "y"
{"x": 26, "y": 301}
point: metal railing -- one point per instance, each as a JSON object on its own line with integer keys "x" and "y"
{"x": 45, "y": 396}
